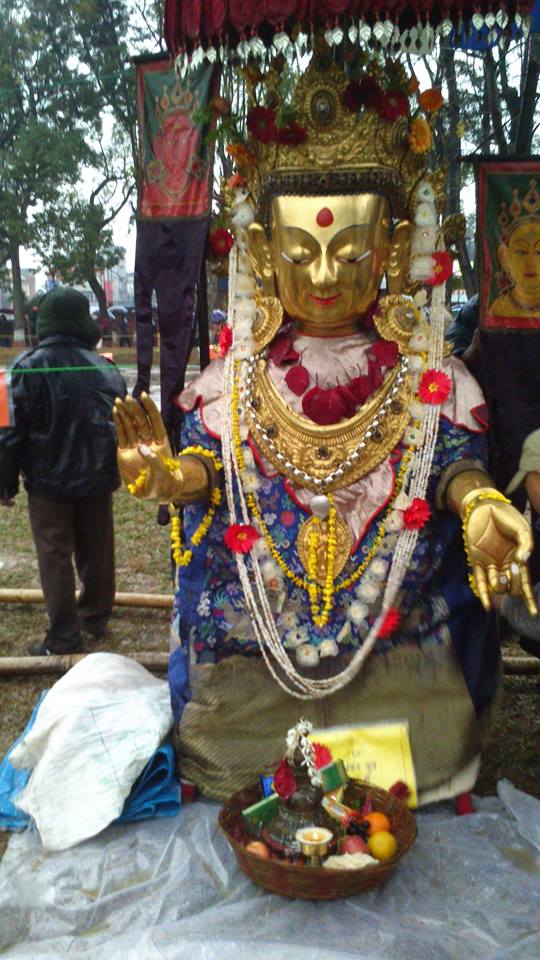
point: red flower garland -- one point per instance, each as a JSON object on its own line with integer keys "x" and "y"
{"x": 392, "y": 105}
{"x": 261, "y": 123}
{"x": 417, "y": 514}
{"x": 435, "y": 387}
{"x": 297, "y": 379}
{"x": 221, "y": 241}
{"x": 284, "y": 781}
{"x": 352, "y": 97}
{"x": 282, "y": 350}
{"x": 390, "y": 623}
{"x": 292, "y": 135}
{"x": 225, "y": 340}
{"x": 240, "y": 537}
{"x": 442, "y": 270}
{"x": 326, "y": 406}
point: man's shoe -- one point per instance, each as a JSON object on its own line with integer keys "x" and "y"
{"x": 39, "y": 650}
{"x": 42, "y": 650}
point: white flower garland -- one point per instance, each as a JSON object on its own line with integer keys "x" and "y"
{"x": 415, "y": 485}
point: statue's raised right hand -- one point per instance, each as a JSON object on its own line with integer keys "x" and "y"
{"x": 142, "y": 440}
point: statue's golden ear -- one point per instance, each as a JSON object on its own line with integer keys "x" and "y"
{"x": 260, "y": 254}
{"x": 397, "y": 264}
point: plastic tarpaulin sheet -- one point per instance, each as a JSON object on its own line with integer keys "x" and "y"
{"x": 171, "y": 890}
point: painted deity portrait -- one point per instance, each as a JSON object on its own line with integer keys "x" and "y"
{"x": 509, "y": 230}
{"x": 174, "y": 156}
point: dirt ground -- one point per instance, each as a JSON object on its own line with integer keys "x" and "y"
{"x": 142, "y": 559}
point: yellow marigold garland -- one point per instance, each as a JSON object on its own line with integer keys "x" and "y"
{"x": 182, "y": 556}
{"x": 139, "y": 483}
{"x": 310, "y": 586}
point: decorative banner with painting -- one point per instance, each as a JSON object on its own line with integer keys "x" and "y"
{"x": 175, "y": 159}
{"x": 509, "y": 244}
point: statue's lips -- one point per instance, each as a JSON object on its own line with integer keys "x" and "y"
{"x": 324, "y": 301}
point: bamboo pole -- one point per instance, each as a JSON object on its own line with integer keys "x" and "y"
{"x": 157, "y": 663}
{"x": 152, "y": 600}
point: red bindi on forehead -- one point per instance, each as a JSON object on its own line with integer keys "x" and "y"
{"x": 325, "y": 217}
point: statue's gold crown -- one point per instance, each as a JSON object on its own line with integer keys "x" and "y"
{"x": 344, "y": 151}
{"x": 519, "y": 211}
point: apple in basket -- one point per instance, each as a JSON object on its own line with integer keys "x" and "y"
{"x": 352, "y": 844}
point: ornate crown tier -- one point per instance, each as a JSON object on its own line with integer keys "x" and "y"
{"x": 336, "y": 149}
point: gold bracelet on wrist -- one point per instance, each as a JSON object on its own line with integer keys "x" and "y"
{"x": 479, "y": 493}
{"x": 468, "y": 504}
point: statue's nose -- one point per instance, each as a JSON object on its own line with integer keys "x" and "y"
{"x": 323, "y": 271}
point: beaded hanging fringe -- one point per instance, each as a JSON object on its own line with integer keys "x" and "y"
{"x": 490, "y": 27}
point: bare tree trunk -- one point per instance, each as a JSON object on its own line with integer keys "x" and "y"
{"x": 494, "y": 101}
{"x": 18, "y": 296}
{"x": 99, "y": 292}
{"x": 528, "y": 99}
{"x": 451, "y": 148}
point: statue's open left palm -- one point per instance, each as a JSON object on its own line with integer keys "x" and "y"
{"x": 499, "y": 543}
{"x": 138, "y": 424}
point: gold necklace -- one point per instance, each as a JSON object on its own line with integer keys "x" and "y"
{"x": 326, "y": 458}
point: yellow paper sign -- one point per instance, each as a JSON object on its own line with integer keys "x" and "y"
{"x": 379, "y": 753}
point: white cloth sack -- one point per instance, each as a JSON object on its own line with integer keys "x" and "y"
{"x": 95, "y": 731}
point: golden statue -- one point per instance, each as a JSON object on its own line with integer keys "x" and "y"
{"x": 519, "y": 256}
{"x": 335, "y": 496}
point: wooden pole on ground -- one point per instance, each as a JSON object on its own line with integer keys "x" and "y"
{"x": 151, "y": 600}
{"x": 157, "y": 663}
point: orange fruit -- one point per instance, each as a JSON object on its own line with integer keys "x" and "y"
{"x": 259, "y": 848}
{"x": 382, "y": 845}
{"x": 377, "y": 821}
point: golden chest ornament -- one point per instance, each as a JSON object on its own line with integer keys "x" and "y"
{"x": 325, "y": 458}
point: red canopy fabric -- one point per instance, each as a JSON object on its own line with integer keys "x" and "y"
{"x": 189, "y": 23}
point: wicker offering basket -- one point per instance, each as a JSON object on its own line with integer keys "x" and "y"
{"x": 320, "y": 883}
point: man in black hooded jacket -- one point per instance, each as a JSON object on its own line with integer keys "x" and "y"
{"x": 63, "y": 444}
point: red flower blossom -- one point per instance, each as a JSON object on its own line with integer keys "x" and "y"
{"x": 282, "y": 350}
{"x": 261, "y": 123}
{"x": 284, "y": 782}
{"x": 360, "y": 389}
{"x": 390, "y": 623}
{"x": 297, "y": 379}
{"x": 417, "y": 514}
{"x": 435, "y": 387}
{"x": 326, "y": 406}
{"x": 385, "y": 353}
{"x": 392, "y": 105}
{"x": 321, "y": 755}
{"x": 400, "y": 790}
{"x": 240, "y": 537}
{"x": 221, "y": 241}
{"x": 292, "y": 135}
{"x": 352, "y": 97}
{"x": 442, "y": 269}
{"x": 225, "y": 340}
{"x": 370, "y": 92}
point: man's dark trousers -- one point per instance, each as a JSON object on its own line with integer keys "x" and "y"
{"x": 80, "y": 528}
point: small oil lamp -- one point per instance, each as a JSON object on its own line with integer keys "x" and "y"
{"x": 314, "y": 842}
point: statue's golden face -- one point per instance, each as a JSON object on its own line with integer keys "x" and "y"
{"x": 329, "y": 256}
{"x": 521, "y": 260}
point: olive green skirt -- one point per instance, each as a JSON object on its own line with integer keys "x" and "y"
{"x": 236, "y": 723}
